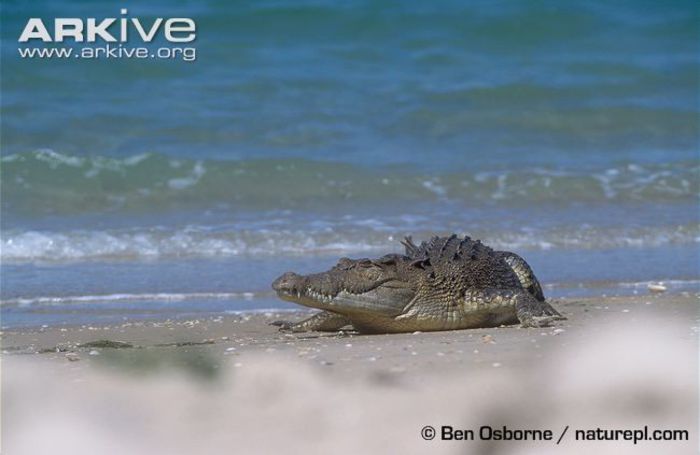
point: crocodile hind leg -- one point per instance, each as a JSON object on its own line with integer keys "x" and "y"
{"x": 525, "y": 274}
{"x": 325, "y": 321}
{"x": 534, "y": 313}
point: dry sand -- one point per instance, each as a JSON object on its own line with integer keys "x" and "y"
{"x": 236, "y": 385}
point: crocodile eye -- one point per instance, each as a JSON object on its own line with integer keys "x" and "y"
{"x": 344, "y": 263}
{"x": 421, "y": 263}
{"x": 364, "y": 263}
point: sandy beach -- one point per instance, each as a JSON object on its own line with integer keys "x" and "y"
{"x": 162, "y": 165}
{"x": 229, "y": 383}
{"x": 224, "y": 339}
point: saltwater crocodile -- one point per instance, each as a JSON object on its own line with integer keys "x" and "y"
{"x": 444, "y": 284}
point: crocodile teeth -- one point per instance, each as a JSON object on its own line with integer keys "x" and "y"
{"x": 318, "y": 296}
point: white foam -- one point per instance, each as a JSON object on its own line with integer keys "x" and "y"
{"x": 159, "y": 297}
{"x": 434, "y": 187}
{"x": 668, "y": 283}
{"x": 190, "y": 241}
{"x": 185, "y": 182}
{"x": 136, "y": 159}
{"x": 350, "y": 236}
{"x": 54, "y": 158}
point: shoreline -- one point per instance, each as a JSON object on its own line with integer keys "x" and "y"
{"x": 222, "y": 337}
{"x": 128, "y": 308}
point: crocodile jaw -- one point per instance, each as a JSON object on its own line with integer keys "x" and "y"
{"x": 303, "y": 290}
{"x": 306, "y": 296}
{"x": 383, "y": 295}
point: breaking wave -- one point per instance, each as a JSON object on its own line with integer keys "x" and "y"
{"x": 203, "y": 242}
{"x": 46, "y": 182}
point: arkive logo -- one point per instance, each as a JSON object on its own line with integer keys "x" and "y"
{"x": 110, "y": 30}
{"x": 111, "y": 38}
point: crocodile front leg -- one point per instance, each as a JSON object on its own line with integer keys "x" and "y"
{"x": 325, "y": 321}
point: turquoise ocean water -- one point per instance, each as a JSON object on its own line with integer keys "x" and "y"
{"x": 305, "y": 131}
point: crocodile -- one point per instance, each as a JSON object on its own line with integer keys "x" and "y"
{"x": 446, "y": 283}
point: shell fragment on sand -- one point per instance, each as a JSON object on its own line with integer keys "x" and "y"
{"x": 656, "y": 287}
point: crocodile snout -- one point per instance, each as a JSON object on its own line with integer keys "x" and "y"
{"x": 287, "y": 283}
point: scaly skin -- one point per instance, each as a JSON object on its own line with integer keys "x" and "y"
{"x": 444, "y": 284}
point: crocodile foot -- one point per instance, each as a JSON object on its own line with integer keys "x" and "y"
{"x": 325, "y": 321}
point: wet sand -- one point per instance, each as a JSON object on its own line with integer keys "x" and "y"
{"x": 236, "y": 382}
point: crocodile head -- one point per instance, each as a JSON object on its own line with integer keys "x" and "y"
{"x": 355, "y": 285}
